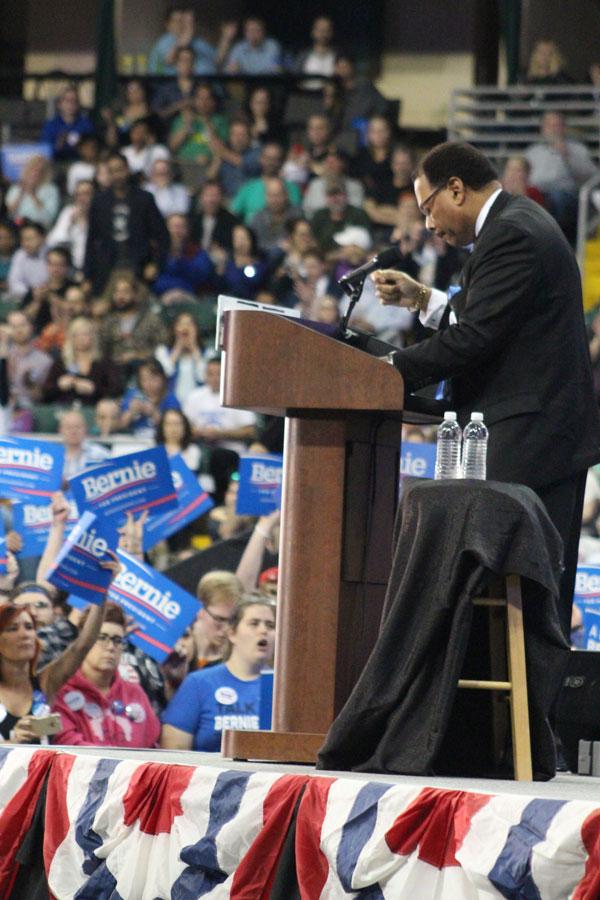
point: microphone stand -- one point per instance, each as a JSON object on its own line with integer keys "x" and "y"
{"x": 354, "y": 290}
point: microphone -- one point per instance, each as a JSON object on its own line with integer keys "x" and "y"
{"x": 388, "y": 258}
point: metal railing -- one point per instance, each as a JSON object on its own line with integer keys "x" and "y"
{"x": 504, "y": 121}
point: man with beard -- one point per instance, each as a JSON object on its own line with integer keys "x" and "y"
{"x": 126, "y": 230}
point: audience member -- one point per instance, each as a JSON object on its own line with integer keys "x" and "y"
{"x": 243, "y": 272}
{"x": 84, "y": 169}
{"x": 63, "y": 309}
{"x": 34, "y": 198}
{"x": 180, "y": 27}
{"x": 181, "y": 661}
{"x": 212, "y": 224}
{"x": 80, "y": 452}
{"x": 175, "y": 96}
{"x": 219, "y": 592}
{"x": 335, "y": 165}
{"x": 251, "y": 197}
{"x": 143, "y": 150}
{"x": 515, "y": 179}
{"x": 192, "y": 132}
{"x": 174, "y": 432}
{"x": 8, "y": 243}
{"x": 239, "y": 159}
{"x": 27, "y": 366}
{"x": 135, "y": 106}
{"x": 383, "y": 196}
{"x": 270, "y": 225}
{"x": 256, "y": 54}
{"x": 373, "y": 161}
{"x": 336, "y": 216}
{"x": 300, "y": 240}
{"x": 142, "y": 406}
{"x": 360, "y": 98}
{"x": 43, "y": 303}
{"x": 170, "y": 196}
{"x": 188, "y": 270}
{"x": 264, "y": 537}
{"x": 99, "y": 708}
{"x": 196, "y": 716}
{"x": 106, "y": 418}
{"x": 559, "y": 167}
{"x": 213, "y": 423}
{"x": 181, "y": 357}
{"x": 131, "y": 330}
{"x": 25, "y": 692}
{"x": 310, "y": 284}
{"x": 64, "y": 131}
{"x": 265, "y": 127}
{"x": 546, "y": 64}
{"x": 126, "y": 230}
{"x": 319, "y": 59}
{"x": 307, "y": 159}
{"x": 28, "y": 268}
{"x": 71, "y": 227}
{"x": 80, "y": 374}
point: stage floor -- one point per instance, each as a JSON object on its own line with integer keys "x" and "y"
{"x": 564, "y": 786}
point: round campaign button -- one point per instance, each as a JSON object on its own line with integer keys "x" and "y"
{"x": 74, "y": 700}
{"x": 135, "y": 712}
{"x": 226, "y": 695}
{"x": 92, "y": 710}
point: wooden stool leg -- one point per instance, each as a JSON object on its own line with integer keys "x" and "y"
{"x": 519, "y": 708}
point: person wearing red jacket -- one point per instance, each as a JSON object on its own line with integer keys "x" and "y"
{"x": 97, "y": 707}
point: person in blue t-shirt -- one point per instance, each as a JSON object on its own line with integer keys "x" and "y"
{"x": 227, "y": 695}
{"x": 64, "y": 131}
{"x": 143, "y": 406}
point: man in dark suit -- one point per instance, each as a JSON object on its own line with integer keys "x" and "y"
{"x": 212, "y": 223}
{"x": 126, "y": 230}
{"x": 513, "y": 344}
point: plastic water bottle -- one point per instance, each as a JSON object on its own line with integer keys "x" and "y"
{"x": 475, "y": 441}
{"x": 447, "y": 459}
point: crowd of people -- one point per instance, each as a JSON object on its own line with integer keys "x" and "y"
{"x": 112, "y": 253}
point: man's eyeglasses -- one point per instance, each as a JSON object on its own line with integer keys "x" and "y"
{"x": 220, "y": 620}
{"x": 425, "y": 207}
{"x": 117, "y": 642}
{"x": 37, "y": 604}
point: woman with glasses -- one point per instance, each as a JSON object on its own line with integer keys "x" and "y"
{"x": 99, "y": 708}
{"x": 227, "y": 695}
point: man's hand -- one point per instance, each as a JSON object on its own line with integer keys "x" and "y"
{"x": 396, "y": 288}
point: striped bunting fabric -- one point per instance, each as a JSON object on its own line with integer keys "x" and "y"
{"x": 127, "y": 830}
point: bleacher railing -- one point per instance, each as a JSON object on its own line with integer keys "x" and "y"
{"x": 504, "y": 121}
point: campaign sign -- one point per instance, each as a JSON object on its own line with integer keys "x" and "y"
{"x": 30, "y": 469}
{"x": 77, "y": 565}
{"x": 15, "y": 156}
{"x": 3, "y": 549}
{"x": 259, "y": 491}
{"x": 130, "y": 483}
{"x": 417, "y": 460}
{"x": 161, "y": 608}
{"x": 33, "y": 522}
{"x": 192, "y": 502}
{"x": 587, "y": 598}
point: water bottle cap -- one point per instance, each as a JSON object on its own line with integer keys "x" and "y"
{"x": 449, "y": 416}
{"x": 476, "y": 417}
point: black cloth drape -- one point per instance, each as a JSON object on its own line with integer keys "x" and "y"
{"x": 450, "y": 535}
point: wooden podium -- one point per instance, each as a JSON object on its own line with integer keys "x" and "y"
{"x": 343, "y": 413}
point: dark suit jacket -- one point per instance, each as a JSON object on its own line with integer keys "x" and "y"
{"x": 224, "y": 225}
{"x": 148, "y": 235}
{"x": 519, "y": 352}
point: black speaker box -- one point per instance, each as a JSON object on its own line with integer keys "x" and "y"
{"x": 578, "y": 707}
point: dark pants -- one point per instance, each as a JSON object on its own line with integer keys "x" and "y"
{"x": 564, "y": 504}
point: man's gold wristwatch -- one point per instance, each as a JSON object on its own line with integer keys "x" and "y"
{"x": 421, "y": 300}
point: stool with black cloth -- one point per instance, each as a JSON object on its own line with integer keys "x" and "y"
{"x": 404, "y": 715}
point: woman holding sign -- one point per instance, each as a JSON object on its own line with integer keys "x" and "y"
{"x": 25, "y": 694}
{"x": 225, "y": 696}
